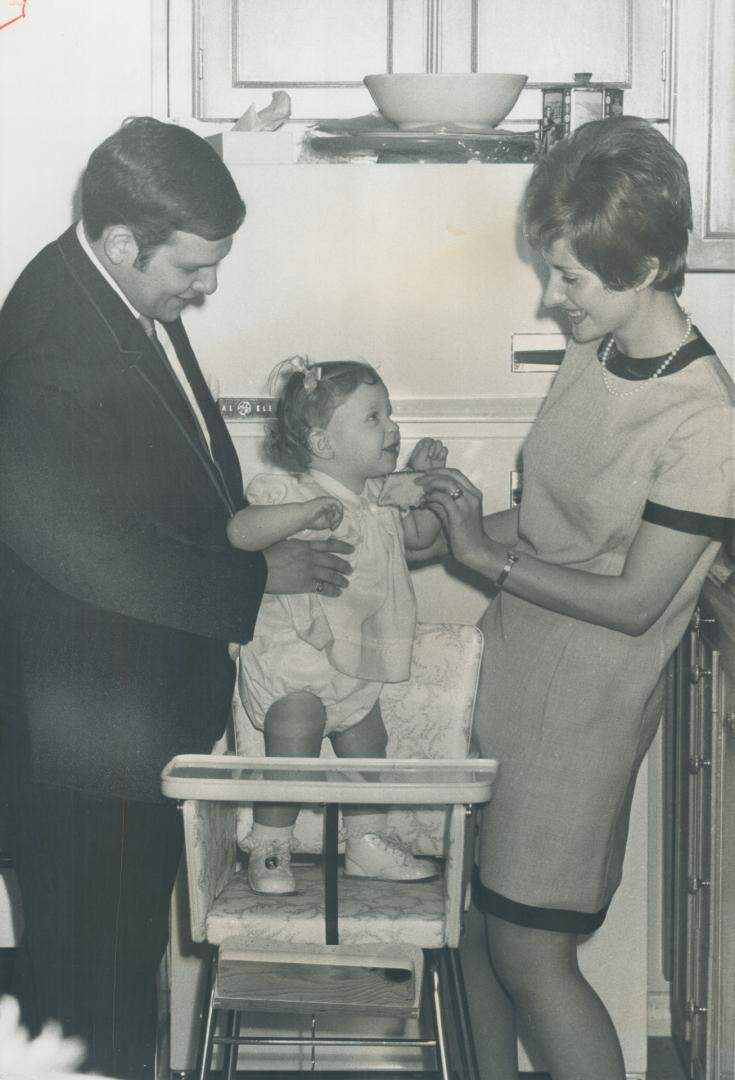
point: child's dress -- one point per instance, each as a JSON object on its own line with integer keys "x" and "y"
{"x": 343, "y": 648}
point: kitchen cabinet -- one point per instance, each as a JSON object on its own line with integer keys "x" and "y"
{"x": 703, "y": 123}
{"x": 318, "y": 50}
{"x": 700, "y": 747}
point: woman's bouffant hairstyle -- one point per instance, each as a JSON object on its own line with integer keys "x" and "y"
{"x": 157, "y": 179}
{"x": 308, "y": 399}
{"x": 618, "y": 192}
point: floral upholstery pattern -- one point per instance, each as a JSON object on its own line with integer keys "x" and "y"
{"x": 369, "y": 912}
{"x": 428, "y": 716}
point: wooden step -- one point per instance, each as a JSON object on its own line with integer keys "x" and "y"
{"x": 377, "y": 980}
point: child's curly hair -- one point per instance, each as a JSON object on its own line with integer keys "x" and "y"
{"x": 309, "y": 397}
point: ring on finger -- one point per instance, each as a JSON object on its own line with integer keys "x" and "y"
{"x": 455, "y": 493}
{"x": 319, "y": 587}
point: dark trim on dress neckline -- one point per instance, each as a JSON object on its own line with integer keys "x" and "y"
{"x": 628, "y": 367}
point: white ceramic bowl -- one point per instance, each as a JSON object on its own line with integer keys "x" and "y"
{"x": 461, "y": 101}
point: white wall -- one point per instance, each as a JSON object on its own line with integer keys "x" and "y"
{"x": 70, "y": 72}
{"x": 711, "y": 300}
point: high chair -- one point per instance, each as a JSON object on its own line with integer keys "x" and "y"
{"x": 342, "y": 947}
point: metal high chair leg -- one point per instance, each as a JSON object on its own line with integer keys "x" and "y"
{"x": 437, "y": 1009}
{"x": 460, "y": 1040}
{"x": 204, "y": 1050}
{"x": 467, "y": 1039}
{"x": 232, "y": 1031}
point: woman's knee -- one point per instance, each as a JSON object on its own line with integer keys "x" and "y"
{"x": 524, "y": 959}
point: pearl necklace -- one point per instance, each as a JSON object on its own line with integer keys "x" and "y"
{"x": 607, "y": 353}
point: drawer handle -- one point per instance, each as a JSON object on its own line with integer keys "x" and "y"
{"x": 696, "y": 883}
{"x": 696, "y": 673}
{"x": 693, "y": 1010}
{"x": 696, "y": 763}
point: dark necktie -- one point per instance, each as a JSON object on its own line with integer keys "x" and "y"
{"x": 150, "y": 330}
{"x": 216, "y": 472}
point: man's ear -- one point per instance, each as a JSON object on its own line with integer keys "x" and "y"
{"x": 320, "y": 444}
{"x": 118, "y": 245}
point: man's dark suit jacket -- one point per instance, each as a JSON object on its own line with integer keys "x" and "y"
{"x": 118, "y": 589}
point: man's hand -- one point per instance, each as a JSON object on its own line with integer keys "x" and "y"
{"x": 297, "y": 566}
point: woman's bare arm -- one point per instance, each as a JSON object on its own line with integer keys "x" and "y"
{"x": 658, "y": 562}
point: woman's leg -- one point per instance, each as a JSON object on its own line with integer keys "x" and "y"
{"x": 568, "y": 1022}
{"x": 491, "y": 1010}
{"x": 294, "y": 727}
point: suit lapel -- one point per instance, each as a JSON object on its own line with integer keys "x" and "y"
{"x": 136, "y": 353}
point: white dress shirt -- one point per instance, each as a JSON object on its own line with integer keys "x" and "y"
{"x": 164, "y": 339}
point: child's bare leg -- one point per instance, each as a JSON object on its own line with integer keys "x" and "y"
{"x": 294, "y": 727}
{"x": 366, "y": 738}
{"x": 368, "y": 852}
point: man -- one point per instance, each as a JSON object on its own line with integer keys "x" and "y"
{"x": 119, "y": 590}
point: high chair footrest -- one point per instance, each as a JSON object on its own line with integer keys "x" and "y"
{"x": 315, "y": 979}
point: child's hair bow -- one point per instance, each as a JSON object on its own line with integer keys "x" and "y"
{"x": 312, "y": 373}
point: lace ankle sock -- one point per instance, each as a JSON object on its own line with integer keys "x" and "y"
{"x": 271, "y": 833}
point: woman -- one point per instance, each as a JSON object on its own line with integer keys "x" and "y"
{"x": 628, "y": 485}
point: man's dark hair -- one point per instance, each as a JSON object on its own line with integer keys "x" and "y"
{"x": 157, "y": 178}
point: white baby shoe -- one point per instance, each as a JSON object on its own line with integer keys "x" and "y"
{"x": 269, "y": 867}
{"x": 372, "y": 856}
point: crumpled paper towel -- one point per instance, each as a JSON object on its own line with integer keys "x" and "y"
{"x": 268, "y": 119}
{"x": 49, "y": 1055}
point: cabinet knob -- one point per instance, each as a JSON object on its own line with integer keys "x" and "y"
{"x": 692, "y": 1009}
{"x": 696, "y": 763}
{"x": 696, "y": 673}
{"x": 698, "y": 619}
{"x": 696, "y": 883}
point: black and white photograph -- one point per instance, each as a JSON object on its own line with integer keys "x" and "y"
{"x": 367, "y": 391}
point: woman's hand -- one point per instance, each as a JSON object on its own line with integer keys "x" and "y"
{"x": 427, "y": 454}
{"x": 324, "y": 512}
{"x": 458, "y": 505}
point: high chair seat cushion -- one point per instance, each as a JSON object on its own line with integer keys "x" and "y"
{"x": 369, "y": 911}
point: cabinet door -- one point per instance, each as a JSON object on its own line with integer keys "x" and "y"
{"x": 703, "y": 127}
{"x": 699, "y": 883}
{"x": 319, "y": 50}
{"x": 721, "y": 1018}
{"x": 678, "y": 729}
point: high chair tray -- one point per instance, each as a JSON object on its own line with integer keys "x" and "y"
{"x": 229, "y": 778}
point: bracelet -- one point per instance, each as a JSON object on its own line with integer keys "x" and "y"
{"x": 513, "y": 557}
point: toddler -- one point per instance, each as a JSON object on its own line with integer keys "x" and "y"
{"x": 317, "y": 663}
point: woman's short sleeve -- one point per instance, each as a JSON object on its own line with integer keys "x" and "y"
{"x": 270, "y": 489}
{"x": 694, "y": 485}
